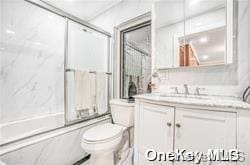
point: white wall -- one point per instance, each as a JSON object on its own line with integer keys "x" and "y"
{"x": 249, "y": 38}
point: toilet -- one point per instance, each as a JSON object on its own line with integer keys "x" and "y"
{"x": 103, "y": 140}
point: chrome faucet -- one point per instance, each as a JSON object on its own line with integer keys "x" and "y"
{"x": 197, "y": 91}
{"x": 186, "y": 92}
{"x": 176, "y": 91}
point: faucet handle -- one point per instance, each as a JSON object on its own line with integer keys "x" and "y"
{"x": 186, "y": 92}
{"x": 175, "y": 90}
{"x": 197, "y": 90}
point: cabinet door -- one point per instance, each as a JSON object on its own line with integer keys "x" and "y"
{"x": 155, "y": 130}
{"x": 198, "y": 130}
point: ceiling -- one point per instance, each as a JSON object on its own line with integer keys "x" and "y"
{"x": 84, "y": 9}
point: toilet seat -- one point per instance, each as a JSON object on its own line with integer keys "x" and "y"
{"x": 103, "y": 133}
{"x": 104, "y": 137}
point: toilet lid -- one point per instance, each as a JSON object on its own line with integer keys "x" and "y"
{"x": 103, "y": 132}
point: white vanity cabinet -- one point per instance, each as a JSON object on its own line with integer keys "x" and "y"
{"x": 200, "y": 130}
{"x": 155, "y": 129}
{"x": 167, "y": 127}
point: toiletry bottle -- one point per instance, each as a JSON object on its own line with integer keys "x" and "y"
{"x": 132, "y": 90}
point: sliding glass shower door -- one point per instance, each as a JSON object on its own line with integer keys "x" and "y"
{"x": 87, "y": 72}
{"x": 31, "y": 70}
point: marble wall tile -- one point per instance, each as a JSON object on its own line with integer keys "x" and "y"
{"x": 32, "y": 61}
{"x": 61, "y": 150}
{"x": 249, "y": 41}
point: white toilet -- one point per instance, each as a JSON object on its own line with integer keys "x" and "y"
{"x": 103, "y": 140}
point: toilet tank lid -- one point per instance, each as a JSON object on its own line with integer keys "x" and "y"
{"x": 122, "y": 102}
{"x": 103, "y": 132}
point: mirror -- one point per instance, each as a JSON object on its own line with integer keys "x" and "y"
{"x": 192, "y": 33}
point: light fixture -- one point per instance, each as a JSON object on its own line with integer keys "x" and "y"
{"x": 37, "y": 43}
{"x": 203, "y": 40}
{"x": 220, "y": 48}
{"x": 198, "y": 24}
{"x": 50, "y": 16}
{"x": 205, "y": 57}
{"x": 10, "y": 32}
{"x": 194, "y": 2}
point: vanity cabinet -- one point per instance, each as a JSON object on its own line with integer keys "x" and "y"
{"x": 200, "y": 130}
{"x": 155, "y": 129}
{"x": 166, "y": 128}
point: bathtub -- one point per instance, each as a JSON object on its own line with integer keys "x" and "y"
{"x": 12, "y": 131}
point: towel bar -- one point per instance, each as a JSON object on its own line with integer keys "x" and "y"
{"x": 93, "y": 72}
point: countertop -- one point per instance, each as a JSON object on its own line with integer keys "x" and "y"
{"x": 210, "y": 101}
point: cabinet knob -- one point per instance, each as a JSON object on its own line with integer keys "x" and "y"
{"x": 178, "y": 125}
{"x": 169, "y": 124}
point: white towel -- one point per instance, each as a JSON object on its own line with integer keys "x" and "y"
{"x": 101, "y": 92}
{"x": 84, "y": 90}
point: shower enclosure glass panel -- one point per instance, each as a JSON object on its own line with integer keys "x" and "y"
{"x": 87, "y": 49}
{"x": 31, "y": 70}
{"x": 87, "y": 67}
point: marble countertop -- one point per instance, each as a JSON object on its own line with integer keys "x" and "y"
{"x": 210, "y": 101}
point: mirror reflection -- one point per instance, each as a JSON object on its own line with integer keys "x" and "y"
{"x": 195, "y": 37}
{"x": 204, "y": 48}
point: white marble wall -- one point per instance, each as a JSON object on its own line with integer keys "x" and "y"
{"x": 32, "y": 61}
{"x": 60, "y": 150}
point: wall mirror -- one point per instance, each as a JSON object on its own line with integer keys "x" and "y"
{"x": 192, "y": 33}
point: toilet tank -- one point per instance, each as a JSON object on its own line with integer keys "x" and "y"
{"x": 122, "y": 112}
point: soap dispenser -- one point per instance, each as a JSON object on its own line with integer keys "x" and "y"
{"x": 132, "y": 89}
